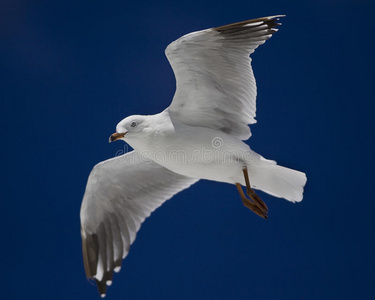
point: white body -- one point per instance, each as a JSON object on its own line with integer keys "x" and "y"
{"x": 205, "y": 153}
{"x": 196, "y": 152}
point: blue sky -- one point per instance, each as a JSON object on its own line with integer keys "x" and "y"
{"x": 71, "y": 70}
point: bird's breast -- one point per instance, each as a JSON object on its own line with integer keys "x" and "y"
{"x": 197, "y": 152}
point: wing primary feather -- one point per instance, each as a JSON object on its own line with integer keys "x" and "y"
{"x": 102, "y": 262}
{"x": 101, "y": 278}
{"x": 118, "y": 242}
{"x": 102, "y": 287}
{"x": 90, "y": 251}
{"x": 125, "y": 235}
{"x": 270, "y": 21}
{"x": 110, "y": 252}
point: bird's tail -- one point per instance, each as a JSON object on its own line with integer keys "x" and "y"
{"x": 276, "y": 180}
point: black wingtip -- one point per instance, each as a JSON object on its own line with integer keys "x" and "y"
{"x": 104, "y": 283}
{"x": 270, "y": 21}
{"x": 102, "y": 287}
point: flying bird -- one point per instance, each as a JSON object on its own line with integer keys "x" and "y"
{"x": 199, "y": 136}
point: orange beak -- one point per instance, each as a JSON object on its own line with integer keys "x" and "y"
{"x": 116, "y": 136}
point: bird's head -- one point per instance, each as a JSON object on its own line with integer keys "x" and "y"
{"x": 129, "y": 127}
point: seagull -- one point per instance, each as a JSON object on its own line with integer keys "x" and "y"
{"x": 199, "y": 136}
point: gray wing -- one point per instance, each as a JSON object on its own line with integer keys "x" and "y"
{"x": 120, "y": 194}
{"x": 215, "y": 83}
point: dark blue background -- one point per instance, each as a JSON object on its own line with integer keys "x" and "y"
{"x": 70, "y": 70}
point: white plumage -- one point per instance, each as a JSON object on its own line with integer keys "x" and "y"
{"x": 199, "y": 136}
{"x": 121, "y": 192}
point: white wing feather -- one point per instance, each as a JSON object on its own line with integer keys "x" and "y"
{"x": 120, "y": 194}
{"x": 215, "y": 83}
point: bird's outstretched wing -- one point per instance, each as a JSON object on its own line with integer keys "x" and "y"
{"x": 120, "y": 193}
{"x": 215, "y": 83}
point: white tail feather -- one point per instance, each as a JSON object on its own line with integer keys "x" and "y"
{"x": 277, "y": 181}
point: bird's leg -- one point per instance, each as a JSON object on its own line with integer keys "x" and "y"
{"x": 249, "y": 204}
{"x": 251, "y": 193}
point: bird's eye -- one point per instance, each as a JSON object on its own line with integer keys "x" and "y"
{"x": 133, "y": 124}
